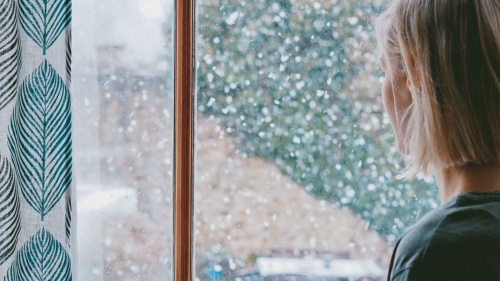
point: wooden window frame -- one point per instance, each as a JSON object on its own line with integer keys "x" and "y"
{"x": 184, "y": 117}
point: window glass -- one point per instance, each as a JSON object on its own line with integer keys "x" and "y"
{"x": 122, "y": 91}
{"x": 296, "y": 167}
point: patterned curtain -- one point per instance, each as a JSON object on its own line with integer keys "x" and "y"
{"x": 35, "y": 140}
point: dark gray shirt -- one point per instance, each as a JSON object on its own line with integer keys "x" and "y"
{"x": 457, "y": 241}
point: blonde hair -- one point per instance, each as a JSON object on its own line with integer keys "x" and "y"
{"x": 450, "y": 52}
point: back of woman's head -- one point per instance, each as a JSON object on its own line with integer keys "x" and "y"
{"x": 450, "y": 52}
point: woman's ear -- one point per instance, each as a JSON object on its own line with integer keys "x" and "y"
{"x": 413, "y": 76}
{"x": 410, "y": 85}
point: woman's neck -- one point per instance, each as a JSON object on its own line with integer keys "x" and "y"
{"x": 456, "y": 180}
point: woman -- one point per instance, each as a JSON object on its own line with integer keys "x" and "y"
{"x": 441, "y": 60}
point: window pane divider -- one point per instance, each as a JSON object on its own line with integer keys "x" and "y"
{"x": 184, "y": 119}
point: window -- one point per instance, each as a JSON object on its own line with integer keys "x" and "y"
{"x": 294, "y": 176}
{"x": 123, "y": 108}
{"x": 296, "y": 170}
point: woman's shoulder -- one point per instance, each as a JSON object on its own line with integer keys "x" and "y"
{"x": 469, "y": 217}
{"x": 463, "y": 234}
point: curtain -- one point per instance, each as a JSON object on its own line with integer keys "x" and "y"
{"x": 36, "y": 235}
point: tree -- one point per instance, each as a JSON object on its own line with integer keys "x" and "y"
{"x": 296, "y": 82}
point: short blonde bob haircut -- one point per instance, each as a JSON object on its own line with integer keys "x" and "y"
{"x": 450, "y": 52}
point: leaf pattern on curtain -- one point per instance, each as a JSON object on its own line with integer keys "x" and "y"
{"x": 68, "y": 56}
{"x": 45, "y": 20}
{"x": 67, "y": 225}
{"x": 10, "y": 220}
{"x": 36, "y": 152}
{"x": 40, "y": 139}
{"x": 41, "y": 258}
{"x": 10, "y": 52}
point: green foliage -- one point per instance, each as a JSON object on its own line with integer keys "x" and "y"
{"x": 296, "y": 82}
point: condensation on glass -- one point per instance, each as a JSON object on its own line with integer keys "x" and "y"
{"x": 123, "y": 111}
{"x": 296, "y": 168}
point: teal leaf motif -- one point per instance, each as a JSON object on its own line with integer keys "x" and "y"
{"x": 68, "y": 55}
{"x": 44, "y": 20}
{"x": 40, "y": 139}
{"x": 10, "y": 219}
{"x": 69, "y": 213}
{"x": 10, "y": 50}
{"x": 42, "y": 258}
